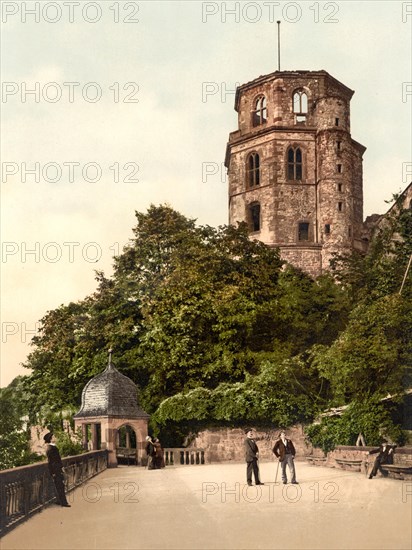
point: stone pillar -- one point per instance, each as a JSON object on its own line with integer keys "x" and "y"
{"x": 94, "y": 437}
{"x": 127, "y": 439}
{"x": 111, "y": 438}
{"x": 141, "y": 430}
{"x": 277, "y": 104}
{"x": 84, "y": 436}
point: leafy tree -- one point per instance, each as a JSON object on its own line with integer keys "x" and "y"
{"x": 199, "y": 325}
{"x": 380, "y": 272}
{"x": 14, "y": 437}
{"x": 373, "y": 355}
{"x": 214, "y": 329}
{"x": 371, "y": 417}
{"x": 69, "y": 445}
{"x": 52, "y": 360}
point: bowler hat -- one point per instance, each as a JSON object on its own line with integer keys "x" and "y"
{"x": 48, "y": 437}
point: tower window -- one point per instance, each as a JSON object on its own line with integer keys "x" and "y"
{"x": 340, "y": 206}
{"x": 254, "y": 216}
{"x": 303, "y": 231}
{"x": 327, "y": 229}
{"x": 253, "y": 170}
{"x": 340, "y": 187}
{"x": 338, "y": 145}
{"x": 339, "y": 168}
{"x": 300, "y": 105}
{"x": 260, "y": 112}
{"x": 350, "y": 231}
{"x": 295, "y": 164}
{"x": 336, "y": 122}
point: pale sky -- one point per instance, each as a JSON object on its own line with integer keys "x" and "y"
{"x": 135, "y": 109}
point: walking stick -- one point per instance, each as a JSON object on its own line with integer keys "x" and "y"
{"x": 277, "y": 470}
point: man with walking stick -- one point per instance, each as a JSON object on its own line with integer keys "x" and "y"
{"x": 285, "y": 452}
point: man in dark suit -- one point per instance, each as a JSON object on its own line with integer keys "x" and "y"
{"x": 285, "y": 452}
{"x": 385, "y": 456}
{"x": 56, "y": 469}
{"x": 252, "y": 456}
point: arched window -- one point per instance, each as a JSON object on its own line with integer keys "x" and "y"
{"x": 300, "y": 105}
{"x": 260, "y": 112}
{"x": 295, "y": 164}
{"x": 300, "y": 102}
{"x": 253, "y": 170}
{"x": 303, "y": 231}
{"x": 254, "y": 216}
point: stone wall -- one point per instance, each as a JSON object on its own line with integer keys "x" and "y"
{"x": 349, "y": 458}
{"x": 227, "y": 444}
{"x": 37, "y": 444}
{"x": 358, "y": 459}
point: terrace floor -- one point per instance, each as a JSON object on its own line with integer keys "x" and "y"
{"x": 211, "y": 507}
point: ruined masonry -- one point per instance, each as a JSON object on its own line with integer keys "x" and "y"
{"x": 295, "y": 173}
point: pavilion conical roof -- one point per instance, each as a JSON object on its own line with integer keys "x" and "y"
{"x": 110, "y": 393}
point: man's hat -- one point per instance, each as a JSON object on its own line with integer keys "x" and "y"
{"x": 247, "y": 430}
{"x": 48, "y": 437}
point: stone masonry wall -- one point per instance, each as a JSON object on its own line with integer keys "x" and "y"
{"x": 327, "y": 199}
{"x": 227, "y": 444}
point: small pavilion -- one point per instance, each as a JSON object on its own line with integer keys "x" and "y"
{"x": 109, "y": 405}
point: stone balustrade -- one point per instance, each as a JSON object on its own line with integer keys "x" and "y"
{"x": 185, "y": 456}
{"x": 27, "y": 489}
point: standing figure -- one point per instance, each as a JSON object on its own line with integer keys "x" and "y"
{"x": 56, "y": 468}
{"x": 385, "y": 456}
{"x": 252, "y": 457}
{"x": 285, "y": 452}
{"x": 158, "y": 459}
{"x": 150, "y": 452}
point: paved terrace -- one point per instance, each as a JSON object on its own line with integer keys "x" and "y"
{"x": 210, "y": 507}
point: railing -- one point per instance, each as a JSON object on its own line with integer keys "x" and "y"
{"x": 25, "y": 490}
{"x": 127, "y": 453}
{"x": 180, "y": 457}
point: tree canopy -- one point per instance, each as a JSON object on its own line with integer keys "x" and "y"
{"x": 214, "y": 328}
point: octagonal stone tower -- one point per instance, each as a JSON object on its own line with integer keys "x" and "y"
{"x": 109, "y": 402}
{"x": 295, "y": 173}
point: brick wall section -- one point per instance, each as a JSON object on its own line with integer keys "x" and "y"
{"x": 227, "y": 444}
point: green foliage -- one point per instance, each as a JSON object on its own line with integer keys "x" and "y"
{"x": 281, "y": 394}
{"x": 380, "y": 272}
{"x": 372, "y": 418}
{"x": 373, "y": 355}
{"x": 215, "y": 330}
{"x": 326, "y": 434}
{"x": 14, "y": 437}
{"x": 69, "y": 445}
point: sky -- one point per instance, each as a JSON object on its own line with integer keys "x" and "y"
{"x": 108, "y": 107}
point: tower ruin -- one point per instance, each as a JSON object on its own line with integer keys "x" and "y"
{"x": 294, "y": 171}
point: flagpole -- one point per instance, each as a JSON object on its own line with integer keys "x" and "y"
{"x": 278, "y": 22}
